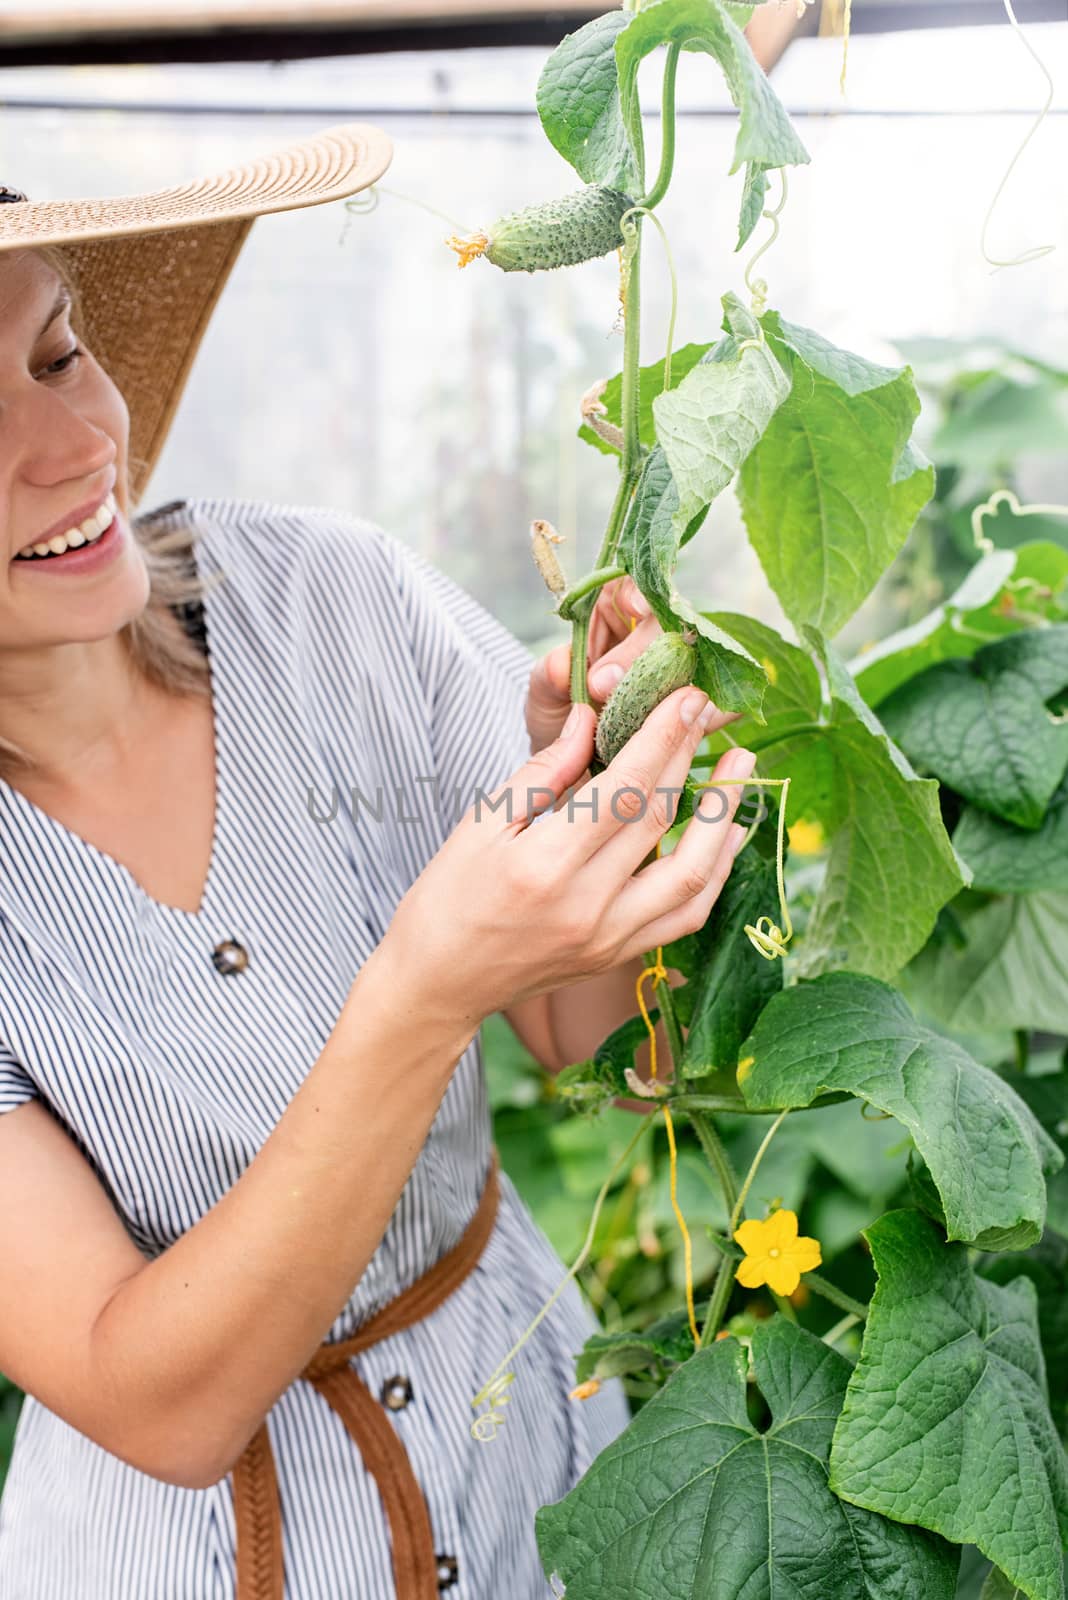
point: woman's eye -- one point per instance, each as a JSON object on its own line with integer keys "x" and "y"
{"x": 64, "y": 362}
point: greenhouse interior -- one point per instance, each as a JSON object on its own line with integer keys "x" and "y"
{"x": 737, "y": 334}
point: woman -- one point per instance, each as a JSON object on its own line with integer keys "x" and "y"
{"x": 255, "y": 1257}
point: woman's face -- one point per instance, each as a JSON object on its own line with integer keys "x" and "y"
{"x": 64, "y": 432}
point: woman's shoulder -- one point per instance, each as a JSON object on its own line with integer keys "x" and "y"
{"x": 297, "y": 533}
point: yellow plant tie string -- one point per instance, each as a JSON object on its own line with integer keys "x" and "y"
{"x": 1039, "y": 249}
{"x": 836, "y": 17}
{"x": 769, "y": 942}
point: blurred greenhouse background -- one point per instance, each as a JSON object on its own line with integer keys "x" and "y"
{"x": 351, "y": 364}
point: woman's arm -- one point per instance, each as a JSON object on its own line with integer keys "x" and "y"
{"x": 245, "y": 1295}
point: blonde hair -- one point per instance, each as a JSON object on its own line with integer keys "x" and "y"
{"x": 159, "y": 652}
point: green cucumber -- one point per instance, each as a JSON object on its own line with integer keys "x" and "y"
{"x": 666, "y": 665}
{"x": 557, "y": 233}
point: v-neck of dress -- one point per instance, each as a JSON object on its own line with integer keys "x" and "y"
{"x": 215, "y": 651}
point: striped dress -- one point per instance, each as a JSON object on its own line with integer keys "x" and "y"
{"x": 344, "y": 667}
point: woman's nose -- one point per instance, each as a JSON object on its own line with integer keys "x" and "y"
{"x": 59, "y": 442}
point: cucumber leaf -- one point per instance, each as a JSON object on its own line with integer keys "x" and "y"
{"x": 649, "y": 548}
{"x": 1001, "y": 589}
{"x": 664, "y": 1345}
{"x": 650, "y": 384}
{"x": 982, "y": 725}
{"x": 765, "y": 133}
{"x": 710, "y": 423}
{"x": 754, "y": 193}
{"x": 891, "y": 866}
{"x": 1010, "y": 860}
{"x": 692, "y": 1500}
{"x": 734, "y": 982}
{"x": 1011, "y": 973}
{"x": 945, "y": 1421}
{"x": 578, "y": 103}
{"x": 832, "y": 489}
{"x": 986, "y": 1152}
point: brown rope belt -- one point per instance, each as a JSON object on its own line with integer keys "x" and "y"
{"x": 257, "y": 1508}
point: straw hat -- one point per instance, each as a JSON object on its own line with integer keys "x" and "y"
{"x": 150, "y": 267}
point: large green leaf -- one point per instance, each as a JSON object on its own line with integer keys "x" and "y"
{"x": 1006, "y": 859}
{"x": 735, "y": 981}
{"x": 891, "y": 866}
{"x": 650, "y": 385}
{"x": 843, "y": 1032}
{"x": 764, "y": 131}
{"x": 945, "y": 1421}
{"x": 988, "y": 605}
{"x": 1046, "y": 1265}
{"x": 831, "y": 490}
{"x": 649, "y": 547}
{"x": 1012, "y": 971}
{"x": 714, "y": 418}
{"x": 982, "y": 725}
{"x": 692, "y": 1502}
{"x": 578, "y": 103}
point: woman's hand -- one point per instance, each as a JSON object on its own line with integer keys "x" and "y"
{"x": 613, "y": 645}
{"x": 506, "y": 910}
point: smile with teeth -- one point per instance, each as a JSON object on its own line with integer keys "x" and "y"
{"x": 87, "y": 532}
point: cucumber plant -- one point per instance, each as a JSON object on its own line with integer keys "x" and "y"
{"x": 928, "y": 791}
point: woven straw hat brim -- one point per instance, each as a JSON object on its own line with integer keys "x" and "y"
{"x": 150, "y": 267}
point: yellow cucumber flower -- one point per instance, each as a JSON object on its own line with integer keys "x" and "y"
{"x": 774, "y": 1254}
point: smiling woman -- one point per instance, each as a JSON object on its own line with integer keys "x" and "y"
{"x": 255, "y": 1251}
{"x": 157, "y": 651}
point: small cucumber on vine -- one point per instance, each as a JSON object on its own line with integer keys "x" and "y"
{"x": 557, "y": 233}
{"x": 664, "y": 666}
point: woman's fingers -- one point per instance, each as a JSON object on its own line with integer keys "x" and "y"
{"x": 607, "y": 669}
{"x": 620, "y": 806}
{"x": 674, "y": 894}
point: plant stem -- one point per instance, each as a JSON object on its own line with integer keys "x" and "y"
{"x": 592, "y": 580}
{"x": 784, "y": 1306}
{"x": 631, "y": 393}
{"x": 667, "y": 130}
{"x": 580, "y": 636}
{"x": 834, "y": 1334}
{"x": 1023, "y": 1047}
{"x": 707, "y": 1102}
{"x": 717, "y": 1305}
{"x": 712, "y": 1145}
{"x": 753, "y": 1169}
{"x": 837, "y": 1297}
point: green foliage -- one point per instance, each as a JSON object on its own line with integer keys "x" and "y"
{"x": 982, "y": 726}
{"x": 696, "y": 1500}
{"x": 832, "y": 488}
{"x": 733, "y": 982}
{"x": 890, "y": 865}
{"x": 1009, "y": 971}
{"x": 879, "y": 1052}
{"x": 945, "y": 1421}
{"x": 711, "y": 422}
{"x": 844, "y": 1032}
{"x": 985, "y": 606}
